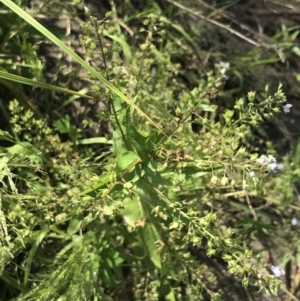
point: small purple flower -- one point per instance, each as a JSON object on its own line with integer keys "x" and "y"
{"x": 294, "y": 221}
{"x": 263, "y": 159}
{"x": 251, "y": 174}
{"x": 286, "y": 108}
{"x": 278, "y": 272}
{"x": 274, "y": 166}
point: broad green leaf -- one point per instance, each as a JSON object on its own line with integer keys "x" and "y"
{"x": 134, "y": 174}
{"x": 133, "y": 211}
{"x": 171, "y": 296}
{"x": 127, "y": 160}
{"x": 74, "y": 226}
{"x": 136, "y": 141}
{"x": 119, "y": 144}
{"x": 21, "y": 148}
{"x": 150, "y": 237}
{"x": 149, "y": 197}
{"x": 167, "y": 290}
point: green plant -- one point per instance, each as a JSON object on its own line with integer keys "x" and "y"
{"x": 150, "y": 220}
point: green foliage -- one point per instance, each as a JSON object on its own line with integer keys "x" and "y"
{"x": 147, "y": 220}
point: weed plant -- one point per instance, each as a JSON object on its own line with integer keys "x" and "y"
{"x": 146, "y": 220}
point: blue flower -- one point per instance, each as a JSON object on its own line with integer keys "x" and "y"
{"x": 277, "y": 271}
{"x": 286, "y": 108}
{"x": 274, "y": 166}
{"x": 263, "y": 159}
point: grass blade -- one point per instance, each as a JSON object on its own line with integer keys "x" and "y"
{"x": 29, "y": 82}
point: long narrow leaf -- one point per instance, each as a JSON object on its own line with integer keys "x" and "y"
{"x": 6, "y": 277}
{"x": 29, "y": 82}
{"x": 40, "y": 236}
